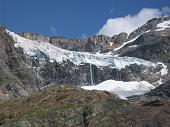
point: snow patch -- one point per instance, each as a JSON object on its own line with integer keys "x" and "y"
{"x": 163, "y": 25}
{"x": 122, "y": 89}
{"x": 111, "y": 43}
{"x": 125, "y": 43}
{"x": 52, "y": 61}
{"x": 160, "y": 81}
{"x": 130, "y": 41}
{"x": 164, "y": 70}
{"x": 133, "y": 46}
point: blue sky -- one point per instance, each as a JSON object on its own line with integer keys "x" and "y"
{"x": 69, "y": 18}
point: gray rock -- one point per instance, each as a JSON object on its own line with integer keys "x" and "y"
{"x": 69, "y": 44}
{"x": 150, "y": 25}
{"x": 34, "y": 36}
{"x": 120, "y": 38}
{"x": 160, "y": 93}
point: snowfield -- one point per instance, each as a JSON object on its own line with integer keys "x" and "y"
{"x": 122, "y": 89}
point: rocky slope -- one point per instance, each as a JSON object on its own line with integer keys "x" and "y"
{"x": 71, "y": 107}
{"x": 65, "y": 106}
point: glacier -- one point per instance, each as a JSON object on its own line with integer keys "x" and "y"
{"x": 59, "y": 55}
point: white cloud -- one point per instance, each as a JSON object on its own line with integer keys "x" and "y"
{"x": 130, "y": 22}
{"x": 166, "y": 10}
{"x": 53, "y": 30}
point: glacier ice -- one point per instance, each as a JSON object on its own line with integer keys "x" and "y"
{"x": 60, "y": 55}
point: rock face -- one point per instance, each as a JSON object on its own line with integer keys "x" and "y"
{"x": 69, "y": 44}
{"x": 103, "y": 43}
{"x": 153, "y": 46}
{"x": 162, "y": 92}
{"x": 33, "y": 36}
{"x": 150, "y": 34}
{"x": 120, "y": 38}
{"x": 16, "y": 73}
{"x": 98, "y": 43}
{"x": 87, "y": 74}
{"x": 150, "y": 25}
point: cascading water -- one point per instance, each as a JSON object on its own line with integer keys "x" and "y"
{"x": 91, "y": 75}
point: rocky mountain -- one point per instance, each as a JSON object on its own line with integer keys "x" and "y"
{"x": 151, "y": 41}
{"x": 124, "y": 65}
{"x": 49, "y": 64}
{"x": 36, "y": 61}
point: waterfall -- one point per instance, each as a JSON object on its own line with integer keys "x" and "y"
{"x": 91, "y": 75}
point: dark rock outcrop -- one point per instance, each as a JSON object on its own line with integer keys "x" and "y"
{"x": 16, "y": 77}
{"x": 150, "y": 25}
{"x": 120, "y": 38}
{"x": 98, "y": 43}
{"x": 162, "y": 92}
{"x": 34, "y": 36}
{"x": 69, "y": 44}
{"x": 152, "y": 46}
{"x": 104, "y": 43}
